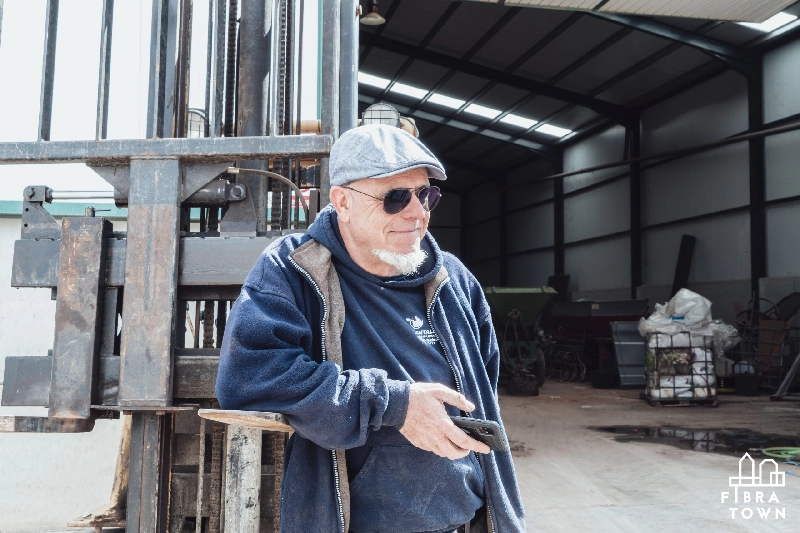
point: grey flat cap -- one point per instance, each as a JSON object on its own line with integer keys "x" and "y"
{"x": 379, "y": 151}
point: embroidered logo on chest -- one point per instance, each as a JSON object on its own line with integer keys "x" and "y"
{"x": 428, "y": 336}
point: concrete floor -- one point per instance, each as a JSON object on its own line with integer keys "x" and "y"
{"x": 577, "y": 479}
{"x": 574, "y": 478}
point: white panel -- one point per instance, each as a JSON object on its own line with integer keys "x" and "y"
{"x": 708, "y": 182}
{"x": 482, "y": 203}
{"x": 783, "y": 254}
{"x": 531, "y": 228}
{"x": 483, "y": 241}
{"x": 606, "y": 147}
{"x": 783, "y": 161}
{"x": 599, "y": 265}
{"x": 597, "y": 212}
{"x": 708, "y": 112}
{"x": 530, "y": 270}
{"x": 781, "y": 80}
{"x": 738, "y": 10}
{"x": 722, "y": 251}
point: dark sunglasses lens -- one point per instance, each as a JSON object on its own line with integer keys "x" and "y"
{"x": 429, "y": 197}
{"x": 396, "y": 200}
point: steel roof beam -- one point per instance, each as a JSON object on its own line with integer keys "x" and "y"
{"x": 521, "y": 60}
{"x": 739, "y": 58}
{"x": 433, "y": 32}
{"x": 563, "y": 73}
{"x": 540, "y": 149}
{"x": 602, "y": 107}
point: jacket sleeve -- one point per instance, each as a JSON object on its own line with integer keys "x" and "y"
{"x": 265, "y": 365}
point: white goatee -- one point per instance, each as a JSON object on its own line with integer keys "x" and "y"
{"x": 406, "y": 264}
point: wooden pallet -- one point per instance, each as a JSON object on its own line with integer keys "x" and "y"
{"x": 678, "y": 402}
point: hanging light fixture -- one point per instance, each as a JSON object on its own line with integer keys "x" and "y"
{"x": 372, "y": 18}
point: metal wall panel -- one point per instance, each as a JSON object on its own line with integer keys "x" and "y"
{"x": 530, "y": 270}
{"x": 722, "y": 251}
{"x": 781, "y": 79}
{"x": 448, "y": 239}
{"x": 482, "y": 203}
{"x": 704, "y": 183}
{"x": 483, "y": 241}
{"x": 782, "y": 162}
{"x": 783, "y": 254}
{"x": 599, "y": 265}
{"x": 531, "y": 228}
{"x": 708, "y": 112}
{"x": 598, "y": 212}
{"x": 606, "y": 147}
{"x": 487, "y": 272}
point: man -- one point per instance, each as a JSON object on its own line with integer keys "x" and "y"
{"x": 367, "y": 337}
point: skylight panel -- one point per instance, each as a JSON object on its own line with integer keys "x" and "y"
{"x": 408, "y": 90}
{"x": 375, "y": 81}
{"x": 447, "y": 101}
{"x": 555, "y": 131}
{"x": 483, "y": 111}
{"x": 772, "y": 23}
{"x": 516, "y": 120}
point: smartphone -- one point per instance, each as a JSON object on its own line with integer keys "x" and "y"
{"x": 485, "y": 431}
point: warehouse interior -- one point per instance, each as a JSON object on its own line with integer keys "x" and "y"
{"x": 600, "y": 158}
{"x": 673, "y": 84}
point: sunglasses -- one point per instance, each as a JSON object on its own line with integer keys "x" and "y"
{"x": 395, "y": 200}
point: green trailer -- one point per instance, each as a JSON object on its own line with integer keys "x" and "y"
{"x": 515, "y": 312}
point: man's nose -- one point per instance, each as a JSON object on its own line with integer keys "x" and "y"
{"x": 414, "y": 209}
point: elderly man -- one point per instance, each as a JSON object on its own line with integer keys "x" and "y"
{"x": 367, "y": 337}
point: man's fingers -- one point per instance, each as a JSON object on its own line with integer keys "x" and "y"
{"x": 454, "y": 398}
{"x": 464, "y": 441}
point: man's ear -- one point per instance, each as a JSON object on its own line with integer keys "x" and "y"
{"x": 341, "y": 202}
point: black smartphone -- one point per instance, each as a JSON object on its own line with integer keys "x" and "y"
{"x": 485, "y": 431}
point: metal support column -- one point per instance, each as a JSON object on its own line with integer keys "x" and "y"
{"x": 252, "y": 105}
{"x": 559, "y": 261}
{"x": 104, "y": 77}
{"x": 501, "y": 194}
{"x": 151, "y": 277}
{"x": 163, "y": 34}
{"x": 348, "y": 69}
{"x": 330, "y": 85}
{"x": 634, "y": 152}
{"x": 758, "y": 222}
{"x": 148, "y": 503}
{"x": 48, "y": 70}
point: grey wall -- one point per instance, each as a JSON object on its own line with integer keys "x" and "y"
{"x": 597, "y": 206}
{"x": 528, "y": 220}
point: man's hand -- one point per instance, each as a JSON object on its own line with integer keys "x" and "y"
{"x": 428, "y": 426}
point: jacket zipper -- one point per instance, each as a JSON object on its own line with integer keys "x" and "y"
{"x": 489, "y": 520}
{"x": 325, "y": 358}
{"x": 444, "y": 348}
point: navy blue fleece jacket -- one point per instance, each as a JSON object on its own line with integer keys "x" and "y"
{"x": 280, "y": 354}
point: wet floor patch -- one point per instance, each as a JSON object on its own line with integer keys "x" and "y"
{"x": 730, "y": 441}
